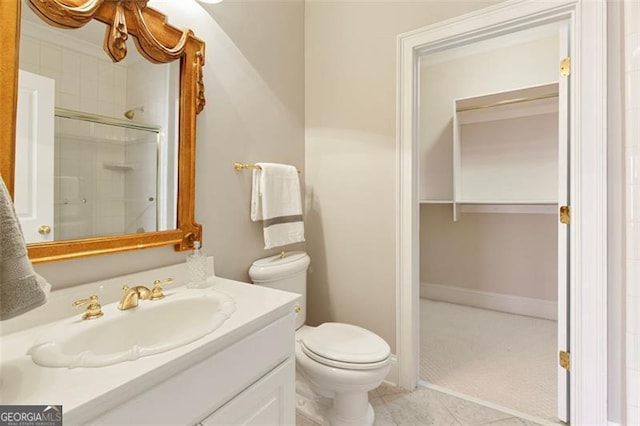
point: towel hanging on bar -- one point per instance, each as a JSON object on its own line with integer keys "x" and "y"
{"x": 276, "y": 201}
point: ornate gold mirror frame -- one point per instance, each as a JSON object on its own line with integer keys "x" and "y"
{"x": 158, "y": 42}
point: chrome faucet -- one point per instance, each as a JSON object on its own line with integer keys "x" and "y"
{"x": 132, "y": 295}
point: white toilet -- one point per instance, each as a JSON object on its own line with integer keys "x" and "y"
{"x": 338, "y": 361}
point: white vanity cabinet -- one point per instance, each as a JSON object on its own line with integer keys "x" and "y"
{"x": 250, "y": 382}
{"x": 242, "y": 372}
{"x": 505, "y": 148}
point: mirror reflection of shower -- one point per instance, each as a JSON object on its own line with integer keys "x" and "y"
{"x": 106, "y": 176}
{"x": 131, "y": 113}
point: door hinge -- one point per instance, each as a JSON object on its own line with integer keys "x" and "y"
{"x": 565, "y": 360}
{"x": 565, "y": 67}
{"x": 565, "y": 215}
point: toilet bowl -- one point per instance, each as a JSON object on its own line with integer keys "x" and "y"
{"x": 343, "y": 362}
{"x": 336, "y": 361}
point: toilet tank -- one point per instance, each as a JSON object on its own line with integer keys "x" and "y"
{"x": 288, "y": 273}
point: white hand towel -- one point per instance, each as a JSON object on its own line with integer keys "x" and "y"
{"x": 21, "y": 289}
{"x": 275, "y": 199}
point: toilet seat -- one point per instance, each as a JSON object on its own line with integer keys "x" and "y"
{"x": 345, "y": 346}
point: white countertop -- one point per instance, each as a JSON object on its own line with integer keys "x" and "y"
{"x": 86, "y": 392}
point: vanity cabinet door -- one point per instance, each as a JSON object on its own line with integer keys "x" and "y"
{"x": 214, "y": 383}
{"x": 269, "y": 401}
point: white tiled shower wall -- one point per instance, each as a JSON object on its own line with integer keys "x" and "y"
{"x": 87, "y": 193}
{"x": 141, "y": 198}
{"x": 106, "y": 179}
{"x": 632, "y": 154}
{"x": 76, "y": 75}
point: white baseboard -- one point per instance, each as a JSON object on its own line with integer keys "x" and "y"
{"x": 392, "y": 376}
{"x": 497, "y": 302}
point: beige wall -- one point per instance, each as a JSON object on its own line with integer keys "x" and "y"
{"x": 350, "y": 50}
{"x": 514, "y": 254}
{"x": 254, "y": 82}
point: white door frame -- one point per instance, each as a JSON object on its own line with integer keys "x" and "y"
{"x": 588, "y": 156}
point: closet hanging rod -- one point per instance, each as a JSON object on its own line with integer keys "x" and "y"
{"x": 508, "y": 102}
{"x": 242, "y": 166}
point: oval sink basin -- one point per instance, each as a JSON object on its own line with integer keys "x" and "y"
{"x": 150, "y": 328}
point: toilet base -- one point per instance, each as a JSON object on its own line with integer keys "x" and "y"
{"x": 366, "y": 420}
{"x": 320, "y": 411}
{"x": 352, "y": 409}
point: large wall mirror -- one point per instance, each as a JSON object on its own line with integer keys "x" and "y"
{"x": 100, "y": 149}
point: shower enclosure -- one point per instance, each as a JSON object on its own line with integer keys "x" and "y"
{"x": 106, "y": 176}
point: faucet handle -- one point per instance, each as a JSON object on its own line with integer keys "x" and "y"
{"x": 156, "y": 292}
{"x": 94, "y": 310}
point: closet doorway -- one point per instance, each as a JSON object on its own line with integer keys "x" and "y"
{"x": 491, "y": 177}
{"x": 582, "y": 240}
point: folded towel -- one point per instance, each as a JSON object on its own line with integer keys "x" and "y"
{"x": 275, "y": 199}
{"x": 21, "y": 289}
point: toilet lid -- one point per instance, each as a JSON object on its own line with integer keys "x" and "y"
{"x": 345, "y": 346}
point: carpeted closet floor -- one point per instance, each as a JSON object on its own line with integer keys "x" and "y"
{"x": 509, "y": 360}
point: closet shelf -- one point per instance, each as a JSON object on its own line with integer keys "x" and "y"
{"x": 507, "y": 202}
{"x": 509, "y": 208}
{"x": 497, "y": 206}
{"x": 492, "y": 202}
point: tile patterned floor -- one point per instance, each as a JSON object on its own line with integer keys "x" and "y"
{"x": 394, "y": 406}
